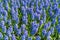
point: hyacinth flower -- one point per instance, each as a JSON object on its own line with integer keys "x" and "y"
{"x": 4, "y": 29}
{"x": 23, "y": 10}
{"x": 5, "y": 18}
{"x": 47, "y": 25}
{"x": 2, "y": 23}
{"x": 38, "y": 38}
{"x": 33, "y": 16}
{"x": 48, "y": 38}
{"x": 48, "y": 33}
{"x": 37, "y": 16}
{"x": 1, "y": 17}
{"x": 10, "y": 29}
{"x": 1, "y": 35}
{"x": 34, "y": 27}
{"x": 15, "y": 27}
{"x": 50, "y": 12}
{"x": 23, "y": 37}
{"x": 25, "y": 33}
{"x": 41, "y": 22}
{"x": 6, "y": 5}
{"x": 23, "y": 26}
{"x": 44, "y": 32}
{"x": 59, "y": 19}
{"x": 52, "y": 30}
{"x": 53, "y": 21}
{"x": 14, "y": 16}
{"x": 44, "y": 16}
{"x": 9, "y": 22}
{"x": 13, "y": 37}
{"x": 58, "y": 28}
{"x": 29, "y": 38}
{"x": 24, "y": 19}
{"x": 6, "y": 37}
{"x": 18, "y": 3}
{"x": 5, "y": 13}
{"x": 8, "y": 33}
{"x": 18, "y": 32}
{"x": 34, "y": 31}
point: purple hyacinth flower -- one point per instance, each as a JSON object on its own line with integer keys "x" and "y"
{"x": 6, "y": 37}
{"x": 38, "y": 38}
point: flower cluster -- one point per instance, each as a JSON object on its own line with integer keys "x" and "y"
{"x": 29, "y": 20}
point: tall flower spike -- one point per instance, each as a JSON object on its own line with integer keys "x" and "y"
{"x": 19, "y": 31}
{"x": 4, "y": 29}
{"x": 41, "y": 22}
{"x": 2, "y": 23}
{"x": 1, "y": 35}
{"x": 6, "y": 5}
{"x": 1, "y": 16}
{"x": 34, "y": 27}
{"x": 5, "y": 19}
{"x": 23, "y": 37}
{"x": 25, "y": 33}
{"x": 48, "y": 33}
{"x": 47, "y": 25}
{"x": 25, "y": 20}
{"x": 34, "y": 31}
{"x": 9, "y": 21}
{"x": 10, "y": 29}
{"x": 8, "y": 33}
{"x": 38, "y": 38}
{"x": 23, "y": 27}
{"x": 16, "y": 27}
{"x": 59, "y": 19}
{"x": 6, "y": 37}
{"x": 29, "y": 38}
{"x": 52, "y": 30}
{"x": 44, "y": 32}
{"x": 48, "y": 38}
{"x": 13, "y": 37}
